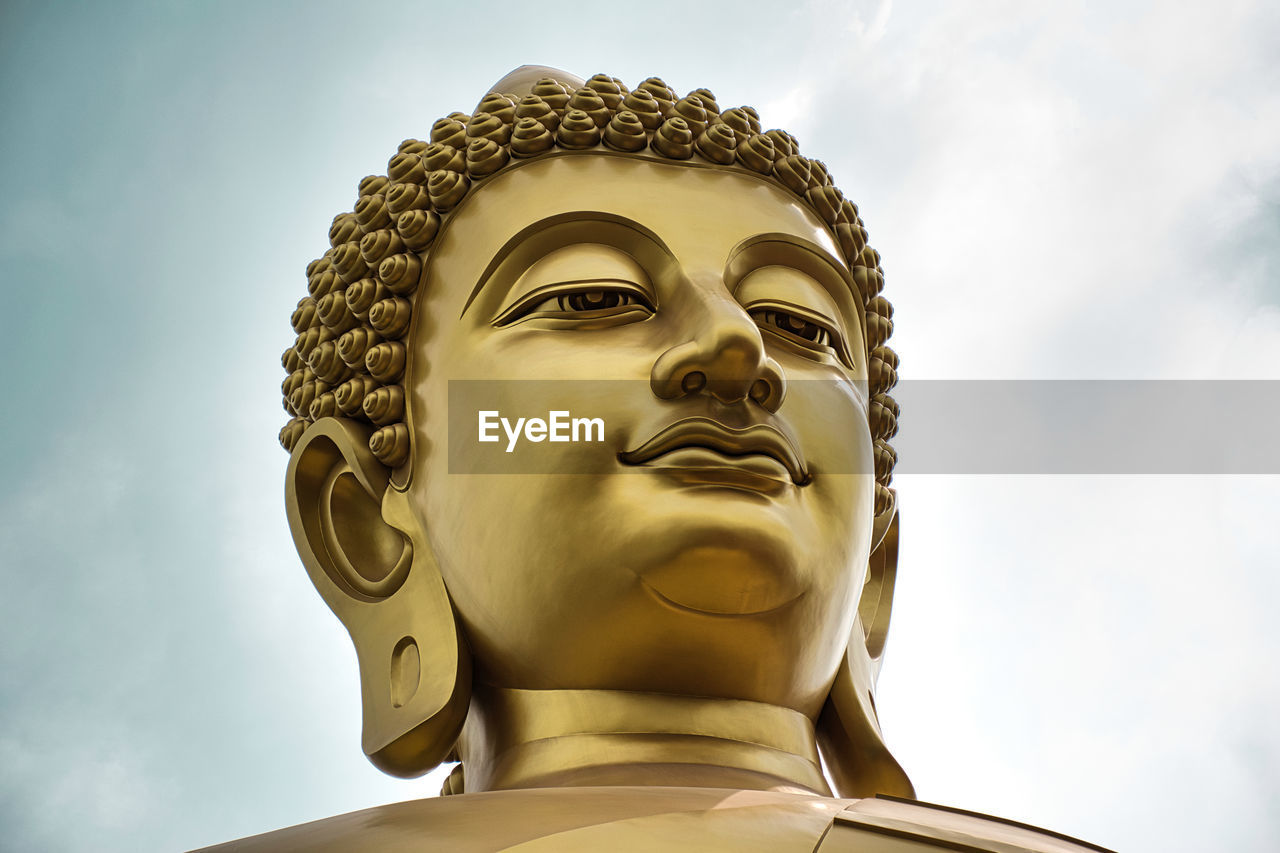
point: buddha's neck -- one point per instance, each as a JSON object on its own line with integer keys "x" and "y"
{"x": 551, "y": 738}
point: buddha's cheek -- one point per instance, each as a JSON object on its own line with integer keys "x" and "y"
{"x": 532, "y": 565}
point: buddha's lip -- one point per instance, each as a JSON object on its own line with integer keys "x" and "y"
{"x": 713, "y": 435}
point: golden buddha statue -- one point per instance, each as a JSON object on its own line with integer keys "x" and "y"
{"x": 643, "y": 640}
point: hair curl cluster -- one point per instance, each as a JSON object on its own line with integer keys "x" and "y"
{"x": 349, "y": 356}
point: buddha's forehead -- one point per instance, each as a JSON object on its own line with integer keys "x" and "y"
{"x": 700, "y": 214}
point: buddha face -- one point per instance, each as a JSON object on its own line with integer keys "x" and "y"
{"x": 714, "y": 542}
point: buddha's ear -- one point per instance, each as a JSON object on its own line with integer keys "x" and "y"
{"x": 371, "y": 562}
{"x": 876, "y": 603}
{"x": 848, "y": 728}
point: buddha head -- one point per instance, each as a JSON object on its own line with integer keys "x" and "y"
{"x": 720, "y": 556}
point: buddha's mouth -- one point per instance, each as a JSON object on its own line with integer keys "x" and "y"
{"x": 757, "y": 440}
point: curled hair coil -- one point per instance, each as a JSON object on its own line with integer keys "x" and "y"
{"x": 609, "y": 89}
{"x": 793, "y": 172}
{"x": 310, "y": 339}
{"x": 344, "y": 229}
{"x": 717, "y": 144}
{"x": 371, "y": 210}
{"x": 818, "y": 175}
{"x": 885, "y": 458}
{"x": 484, "y": 157}
{"x": 446, "y": 189}
{"x": 742, "y": 119}
{"x": 400, "y": 273}
{"x": 756, "y": 153}
{"x": 418, "y": 228}
{"x": 385, "y": 362}
{"x": 390, "y": 317}
{"x": 588, "y": 101}
{"x": 385, "y": 405}
{"x": 663, "y": 94}
{"x": 291, "y": 432}
{"x": 326, "y": 364}
{"x": 362, "y": 294}
{"x": 869, "y": 281}
{"x": 879, "y": 329}
{"x": 884, "y": 499}
{"x": 707, "y": 99}
{"x": 501, "y": 106}
{"x": 826, "y": 201}
{"x": 448, "y": 157}
{"x": 377, "y": 246}
{"x": 534, "y": 107}
{"x": 371, "y": 184}
{"x": 350, "y": 395}
{"x": 531, "y": 137}
{"x": 674, "y": 139}
{"x": 884, "y": 417}
{"x": 292, "y": 381}
{"x": 783, "y": 142}
{"x": 300, "y": 399}
{"x": 552, "y": 93}
{"x": 851, "y": 244}
{"x": 349, "y": 263}
{"x": 323, "y": 406}
{"x": 625, "y": 132}
{"x": 353, "y": 345}
{"x": 325, "y": 281}
{"x": 334, "y": 313}
{"x": 849, "y": 212}
{"x": 645, "y": 106}
{"x": 690, "y": 109}
{"x": 578, "y": 130}
{"x": 304, "y": 316}
{"x": 488, "y": 126}
{"x": 391, "y": 445}
{"x": 882, "y": 374}
{"x": 450, "y": 132}
{"x": 406, "y": 196}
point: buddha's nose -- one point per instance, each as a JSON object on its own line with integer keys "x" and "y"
{"x": 724, "y": 356}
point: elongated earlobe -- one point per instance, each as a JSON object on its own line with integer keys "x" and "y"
{"x": 371, "y": 562}
{"x": 848, "y": 728}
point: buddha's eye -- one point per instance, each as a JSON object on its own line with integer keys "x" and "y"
{"x": 588, "y": 305}
{"x": 793, "y": 325}
{"x": 595, "y": 300}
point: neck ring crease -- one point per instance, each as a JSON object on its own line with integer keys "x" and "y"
{"x": 554, "y": 738}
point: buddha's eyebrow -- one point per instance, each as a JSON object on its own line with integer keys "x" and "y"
{"x": 565, "y": 229}
{"x": 801, "y": 254}
{"x": 803, "y": 250}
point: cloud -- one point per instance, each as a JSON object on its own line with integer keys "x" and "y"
{"x": 1063, "y": 185}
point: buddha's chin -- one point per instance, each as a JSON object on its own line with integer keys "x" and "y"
{"x": 740, "y": 578}
{"x": 707, "y": 607}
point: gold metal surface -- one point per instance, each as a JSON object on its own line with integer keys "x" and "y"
{"x": 648, "y": 639}
{"x": 647, "y": 818}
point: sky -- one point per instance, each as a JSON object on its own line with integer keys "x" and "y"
{"x": 1059, "y": 191}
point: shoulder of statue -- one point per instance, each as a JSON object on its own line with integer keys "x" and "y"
{"x": 626, "y": 819}
{"x": 893, "y": 824}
